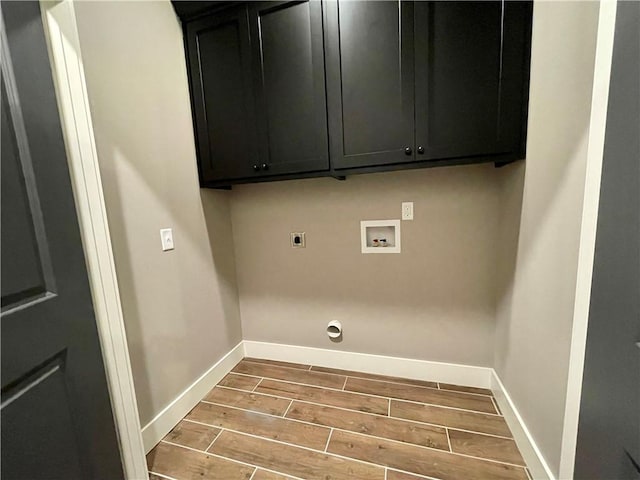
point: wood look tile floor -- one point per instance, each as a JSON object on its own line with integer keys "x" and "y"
{"x": 271, "y": 420}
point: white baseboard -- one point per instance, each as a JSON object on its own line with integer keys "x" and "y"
{"x": 169, "y": 417}
{"x": 466, "y": 375}
{"x": 530, "y": 452}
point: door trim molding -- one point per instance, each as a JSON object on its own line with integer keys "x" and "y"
{"x": 60, "y": 28}
{"x": 588, "y": 228}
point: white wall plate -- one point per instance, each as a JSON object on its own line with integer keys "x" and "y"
{"x": 380, "y": 236}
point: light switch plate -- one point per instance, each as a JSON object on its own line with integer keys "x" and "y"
{"x": 166, "y": 236}
{"x": 407, "y": 210}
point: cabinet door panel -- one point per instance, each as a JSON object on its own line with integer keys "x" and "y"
{"x": 290, "y": 85}
{"x": 370, "y": 82}
{"x": 469, "y": 58}
{"x": 223, "y": 104}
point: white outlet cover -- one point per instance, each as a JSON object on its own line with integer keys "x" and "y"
{"x": 166, "y": 236}
{"x": 407, "y": 210}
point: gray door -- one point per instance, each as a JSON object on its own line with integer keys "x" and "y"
{"x": 609, "y": 427}
{"x": 55, "y": 410}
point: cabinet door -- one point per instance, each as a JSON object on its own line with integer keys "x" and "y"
{"x": 223, "y": 105}
{"x": 470, "y": 66}
{"x": 287, "y": 43}
{"x": 370, "y": 82}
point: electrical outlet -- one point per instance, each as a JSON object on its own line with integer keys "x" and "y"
{"x": 166, "y": 236}
{"x": 407, "y": 210}
{"x": 297, "y": 240}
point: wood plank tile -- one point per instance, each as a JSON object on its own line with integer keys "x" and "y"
{"x": 264, "y": 475}
{"x": 290, "y": 374}
{"x": 281, "y": 429}
{"x": 447, "y": 417}
{"x": 184, "y": 464}
{"x": 485, "y": 446}
{"x": 423, "y": 461}
{"x": 420, "y": 394}
{"x": 349, "y": 400}
{"x": 192, "y": 435}
{"x": 394, "y": 475}
{"x": 299, "y": 366}
{"x": 240, "y": 382}
{"x": 372, "y": 376}
{"x": 460, "y": 388}
{"x": 368, "y": 424}
{"x": 249, "y": 401}
{"x": 292, "y": 460}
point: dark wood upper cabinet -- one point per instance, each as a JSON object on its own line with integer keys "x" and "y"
{"x": 417, "y": 81}
{"x": 258, "y": 90}
{"x": 470, "y": 65}
{"x": 289, "y": 85}
{"x": 293, "y": 89}
{"x": 220, "y": 56}
{"x": 369, "y": 51}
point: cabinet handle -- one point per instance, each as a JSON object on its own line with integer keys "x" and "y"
{"x": 407, "y": 150}
{"x": 265, "y": 166}
{"x": 421, "y": 149}
{"x": 256, "y": 168}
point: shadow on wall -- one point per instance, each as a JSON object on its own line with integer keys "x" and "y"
{"x": 538, "y": 269}
{"x": 217, "y": 215}
{"x": 511, "y": 193}
{"x": 158, "y": 292}
{"x": 181, "y": 307}
{"x": 535, "y": 300}
{"x": 536, "y": 292}
{"x": 531, "y": 224}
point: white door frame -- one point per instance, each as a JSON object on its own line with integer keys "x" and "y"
{"x": 588, "y": 230}
{"x": 60, "y": 27}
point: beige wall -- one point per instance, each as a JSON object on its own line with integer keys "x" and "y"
{"x": 536, "y": 298}
{"x": 180, "y": 307}
{"x": 433, "y": 301}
